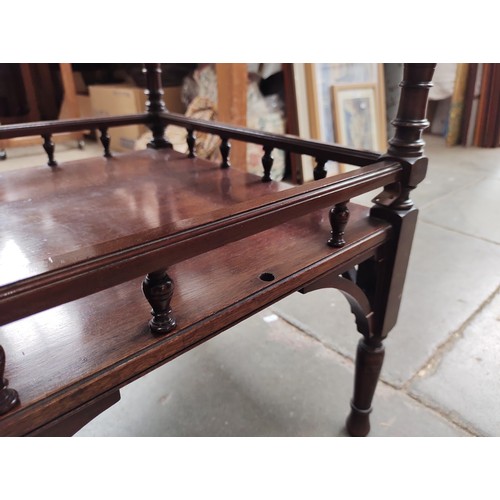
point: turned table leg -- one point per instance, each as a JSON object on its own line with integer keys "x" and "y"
{"x": 369, "y": 359}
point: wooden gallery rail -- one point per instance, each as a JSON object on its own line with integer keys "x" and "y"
{"x": 77, "y": 240}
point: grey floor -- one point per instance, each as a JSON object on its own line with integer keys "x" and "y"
{"x": 288, "y": 371}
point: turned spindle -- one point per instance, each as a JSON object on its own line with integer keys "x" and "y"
{"x": 49, "y": 147}
{"x": 267, "y": 163}
{"x": 191, "y": 142}
{"x": 155, "y": 105}
{"x": 8, "y": 397}
{"x": 225, "y": 149}
{"x": 158, "y": 289}
{"x": 339, "y": 216}
{"x": 105, "y": 141}
{"x": 319, "y": 171}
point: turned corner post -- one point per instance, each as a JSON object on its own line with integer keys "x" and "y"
{"x": 8, "y": 397}
{"x": 382, "y": 277}
{"x": 407, "y": 144}
{"x": 158, "y": 289}
{"x": 155, "y": 105}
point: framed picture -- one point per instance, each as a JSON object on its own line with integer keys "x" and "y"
{"x": 355, "y": 116}
{"x": 320, "y": 77}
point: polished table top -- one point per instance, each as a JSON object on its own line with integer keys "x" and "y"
{"x": 92, "y": 224}
{"x": 52, "y": 218}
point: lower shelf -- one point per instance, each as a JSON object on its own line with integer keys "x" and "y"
{"x": 66, "y": 357}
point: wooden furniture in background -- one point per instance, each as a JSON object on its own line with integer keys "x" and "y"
{"x": 69, "y": 108}
{"x": 232, "y": 103}
{"x": 487, "y": 132}
{"x": 209, "y": 245}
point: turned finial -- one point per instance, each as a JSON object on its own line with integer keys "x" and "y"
{"x": 411, "y": 120}
{"x": 407, "y": 144}
{"x": 155, "y": 105}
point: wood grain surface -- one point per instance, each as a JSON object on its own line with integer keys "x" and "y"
{"x": 68, "y": 355}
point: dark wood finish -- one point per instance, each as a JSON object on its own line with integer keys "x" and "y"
{"x": 288, "y": 143}
{"x": 488, "y": 123}
{"x": 407, "y": 144}
{"x": 319, "y": 171}
{"x": 158, "y": 288}
{"x": 60, "y": 126}
{"x": 84, "y": 356}
{"x": 105, "y": 141}
{"x": 70, "y": 423}
{"x": 155, "y": 105}
{"x": 382, "y": 278}
{"x": 9, "y": 398}
{"x": 157, "y": 208}
{"x": 339, "y": 216}
{"x": 346, "y": 283}
{"x": 267, "y": 164}
{"x": 225, "y": 149}
{"x": 188, "y": 222}
{"x": 191, "y": 142}
{"x": 392, "y": 265}
{"x": 49, "y": 147}
{"x": 369, "y": 359}
{"x": 411, "y": 120}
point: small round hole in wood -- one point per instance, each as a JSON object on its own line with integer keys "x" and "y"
{"x": 267, "y": 277}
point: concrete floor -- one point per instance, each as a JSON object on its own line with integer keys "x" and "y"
{"x": 288, "y": 371}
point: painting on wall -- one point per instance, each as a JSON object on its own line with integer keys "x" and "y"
{"x": 320, "y": 77}
{"x": 355, "y": 116}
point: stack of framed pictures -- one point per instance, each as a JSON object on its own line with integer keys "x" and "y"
{"x": 346, "y": 105}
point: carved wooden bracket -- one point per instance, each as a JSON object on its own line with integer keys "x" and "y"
{"x": 358, "y": 300}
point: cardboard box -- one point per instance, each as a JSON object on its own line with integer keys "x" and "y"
{"x": 84, "y": 106}
{"x": 124, "y": 99}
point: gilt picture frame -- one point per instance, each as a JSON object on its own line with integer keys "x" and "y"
{"x": 319, "y": 77}
{"x": 355, "y": 116}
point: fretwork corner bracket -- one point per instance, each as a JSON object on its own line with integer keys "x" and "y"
{"x": 9, "y": 398}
